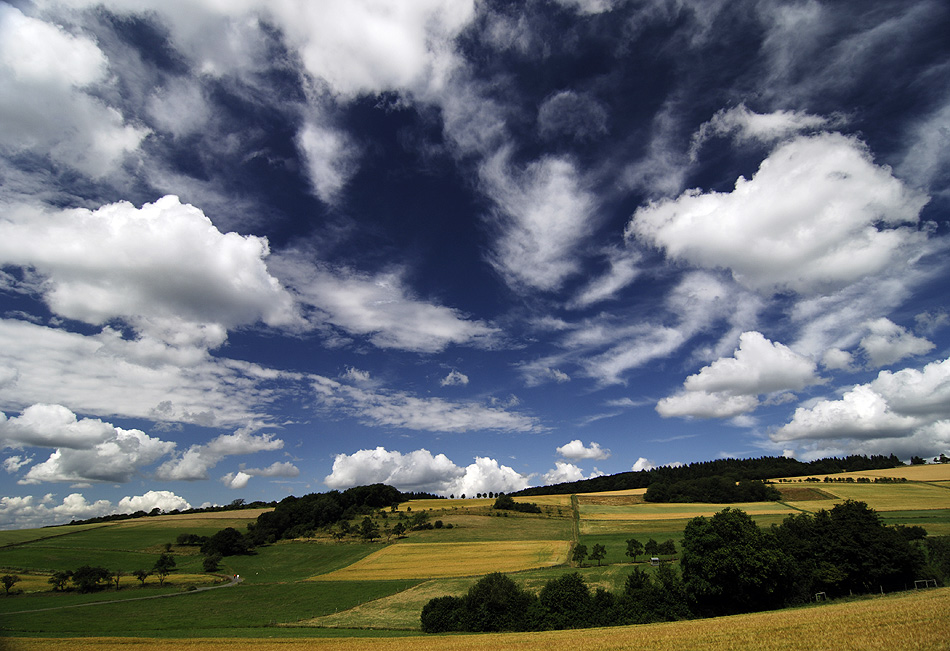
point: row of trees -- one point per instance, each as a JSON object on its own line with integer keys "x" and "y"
{"x": 729, "y": 565}
{"x": 89, "y": 578}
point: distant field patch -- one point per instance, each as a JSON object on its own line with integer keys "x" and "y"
{"x": 625, "y": 492}
{"x": 675, "y": 511}
{"x": 802, "y": 493}
{"x": 479, "y": 528}
{"x": 434, "y": 560}
{"x": 887, "y": 497}
{"x": 602, "y": 499}
{"x": 245, "y": 515}
{"x": 562, "y": 501}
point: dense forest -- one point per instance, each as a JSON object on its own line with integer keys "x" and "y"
{"x": 735, "y": 470}
{"x": 729, "y": 565}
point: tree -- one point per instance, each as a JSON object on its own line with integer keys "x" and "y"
{"x": 651, "y": 548}
{"x": 8, "y": 581}
{"x": 443, "y": 615}
{"x": 580, "y": 553}
{"x": 597, "y": 553}
{"x": 660, "y": 598}
{"x": 88, "y": 578}
{"x": 634, "y": 548}
{"x": 916, "y": 461}
{"x": 496, "y": 603}
{"x": 368, "y": 529}
{"x": 849, "y": 549}
{"x": 399, "y": 529}
{"x": 211, "y": 563}
{"x": 118, "y": 574}
{"x": 730, "y": 565}
{"x": 164, "y": 566}
{"x": 566, "y": 602}
{"x": 60, "y": 579}
{"x": 141, "y": 575}
{"x": 227, "y": 542}
{"x": 667, "y": 547}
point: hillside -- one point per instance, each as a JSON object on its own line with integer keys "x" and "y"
{"x": 320, "y": 585}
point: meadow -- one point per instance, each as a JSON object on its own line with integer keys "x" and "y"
{"x": 321, "y": 590}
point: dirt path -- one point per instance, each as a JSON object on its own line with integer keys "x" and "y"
{"x": 233, "y": 582}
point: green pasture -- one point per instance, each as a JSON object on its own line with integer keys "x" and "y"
{"x": 212, "y": 613}
{"x": 292, "y": 561}
{"x": 19, "y": 536}
{"x": 935, "y": 521}
{"x": 51, "y": 559}
{"x": 481, "y": 528}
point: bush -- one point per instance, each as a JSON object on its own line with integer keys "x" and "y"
{"x": 507, "y": 503}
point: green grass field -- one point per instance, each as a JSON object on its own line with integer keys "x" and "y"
{"x": 286, "y": 594}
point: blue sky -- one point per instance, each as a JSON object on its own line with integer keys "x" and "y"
{"x": 253, "y": 249}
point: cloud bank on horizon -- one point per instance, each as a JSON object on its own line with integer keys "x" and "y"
{"x": 282, "y": 247}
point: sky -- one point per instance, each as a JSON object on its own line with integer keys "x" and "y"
{"x": 252, "y": 249}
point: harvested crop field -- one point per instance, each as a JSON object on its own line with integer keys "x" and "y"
{"x": 903, "y": 621}
{"x": 437, "y": 560}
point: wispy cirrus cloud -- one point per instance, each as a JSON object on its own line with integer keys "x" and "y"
{"x": 380, "y": 407}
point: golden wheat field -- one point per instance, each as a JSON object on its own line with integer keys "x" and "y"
{"x": 908, "y": 621}
{"x": 925, "y": 472}
{"x": 442, "y": 560}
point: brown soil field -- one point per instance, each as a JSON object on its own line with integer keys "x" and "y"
{"x": 802, "y": 493}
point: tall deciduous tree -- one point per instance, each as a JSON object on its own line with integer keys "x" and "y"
{"x": 634, "y": 548}
{"x": 598, "y": 552}
{"x": 164, "y": 566}
{"x": 580, "y": 553}
{"x": 8, "y": 581}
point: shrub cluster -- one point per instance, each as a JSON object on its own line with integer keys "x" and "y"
{"x": 507, "y": 503}
{"x": 497, "y": 603}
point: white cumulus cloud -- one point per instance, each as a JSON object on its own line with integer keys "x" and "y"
{"x": 905, "y": 412}
{"x": 817, "y": 216}
{"x": 576, "y": 450}
{"x": 887, "y": 343}
{"x": 730, "y": 386}
{"x": 164, "y": 268}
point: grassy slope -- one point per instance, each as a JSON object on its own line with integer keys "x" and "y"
{"x": 913, "y": 620}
